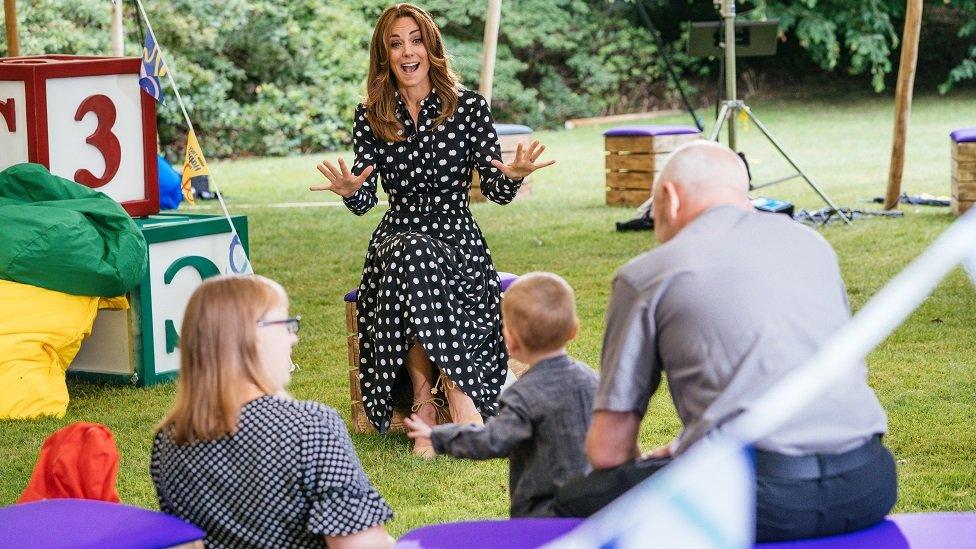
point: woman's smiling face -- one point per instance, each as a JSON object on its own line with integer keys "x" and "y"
{"x": 408, "y": 54}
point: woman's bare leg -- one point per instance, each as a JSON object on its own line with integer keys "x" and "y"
{"x": 421, "y": 371}
{"x": 461, "y": 406}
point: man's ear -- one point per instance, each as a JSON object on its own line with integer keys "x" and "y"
{"x": 673, "y": 203}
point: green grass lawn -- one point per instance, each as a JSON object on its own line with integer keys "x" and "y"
{"x": 925, "y": 373}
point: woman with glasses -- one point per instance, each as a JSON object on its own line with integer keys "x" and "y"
{"x": 236, "y": 455}
{"x": 429, "y": 295}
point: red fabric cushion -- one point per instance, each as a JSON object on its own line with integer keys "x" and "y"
{"x": 78, "y": 461}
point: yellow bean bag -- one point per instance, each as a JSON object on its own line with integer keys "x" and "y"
{"x": 40, "y": 334}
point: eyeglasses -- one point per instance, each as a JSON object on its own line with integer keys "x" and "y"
{"x": 293, "y": 323}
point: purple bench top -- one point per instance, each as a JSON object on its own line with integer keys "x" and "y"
{"x": 964, "y": 135}
{"x": 628, "y": 131}
{"x": 82, "y": 524}
{"x": 506, "y": 280}
{"x": 512, "y": 129}
{"x": 920, "y": 531}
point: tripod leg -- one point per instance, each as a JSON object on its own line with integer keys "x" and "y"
{"x": 720, "y": 120}
{"x": 786, "y": 156}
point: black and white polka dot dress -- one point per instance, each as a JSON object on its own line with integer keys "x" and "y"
{"x": 286, "y": 478}
{"x": 428, "y": 273}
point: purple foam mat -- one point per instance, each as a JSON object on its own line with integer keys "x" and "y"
{"x": 512, "y": 129}
{"x": 83, "y": 524}
{"x": 964, "y": 135}
{"x": 627, "y": 131}
{"x": 506, "y": 281}
{"x": 916, "y": 530}
{"x": 522, "y": 533}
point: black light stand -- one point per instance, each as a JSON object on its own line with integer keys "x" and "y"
{"x": 668, "y": 65}
{"x": 732, "y": 106}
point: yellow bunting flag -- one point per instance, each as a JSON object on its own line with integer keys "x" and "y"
{"x": 194, "y": 166}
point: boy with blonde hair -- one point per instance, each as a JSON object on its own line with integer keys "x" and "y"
{"x": 543, "y": 418}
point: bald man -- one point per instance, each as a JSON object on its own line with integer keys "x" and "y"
{"x": 730, "y": 302}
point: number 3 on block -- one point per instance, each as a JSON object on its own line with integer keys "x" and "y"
{"x": 102, "y": 139}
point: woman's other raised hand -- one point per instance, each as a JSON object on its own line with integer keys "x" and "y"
{"x": 341, "y": 181}
{"x": 525, "y": 161}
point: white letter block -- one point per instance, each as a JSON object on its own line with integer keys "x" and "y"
{"x": 140, "y": 346}
{"x": 85, "y": 119}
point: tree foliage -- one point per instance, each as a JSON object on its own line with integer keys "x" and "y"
{"x": 280, "y": 77}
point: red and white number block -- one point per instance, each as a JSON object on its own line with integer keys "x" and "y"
{"x": 86, "y": 119}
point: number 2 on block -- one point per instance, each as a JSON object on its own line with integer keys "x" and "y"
{"x": 102, "y": 139}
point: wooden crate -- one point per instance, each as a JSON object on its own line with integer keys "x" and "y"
{"x": 360, "y": 422}
{"x": 627, "y": 197}
{"x": 508, "y": 143}
{"x": 632, "y": 163}
{"x": 963, "y": 186}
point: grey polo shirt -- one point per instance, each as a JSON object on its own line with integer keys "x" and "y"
{"x": 731, "y": 304}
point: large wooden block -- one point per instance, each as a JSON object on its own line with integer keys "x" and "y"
{"x": 649, "y": 144}
{"x": 632, "y": 163}
{"x": 623, "y": 197}
{"x": 85, "y": 119}
{"x": 964, "y": 170}
{"x": 630, "y": 181}
{"x": 140, "y": 346}
{"x": 636, "y": 161}
{"x": 964, "y": 190}
{"x": 964, "y": 152}
{"x": 960, "y": 207}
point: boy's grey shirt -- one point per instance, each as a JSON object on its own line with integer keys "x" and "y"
{"x": 541, "y": 427}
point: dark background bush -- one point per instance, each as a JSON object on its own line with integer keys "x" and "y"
{"x": 277, "y": 77}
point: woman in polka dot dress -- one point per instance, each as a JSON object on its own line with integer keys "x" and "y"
{"x": 429, "y": 296}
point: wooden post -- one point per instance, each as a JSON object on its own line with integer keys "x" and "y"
{"x": 492, "y": 20}
{"x": 116, "y": 29}
{"x": 903, "y": 100}
{"x": 13, "y": 34}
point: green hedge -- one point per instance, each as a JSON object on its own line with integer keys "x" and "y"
{"x": 277, "y": 77}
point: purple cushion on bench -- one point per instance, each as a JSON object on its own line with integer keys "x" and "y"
{"x": 80, "y": 524}
{"x": 628, "y": 131}
{"x": 477, "y": 534}
{"x": 916, "y": 530}
{"x": 506, "y": 281}
{"x": 512, "y": 129}
{"x": 964, "y": 135}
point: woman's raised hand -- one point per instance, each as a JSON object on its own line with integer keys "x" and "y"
{"x": 524, "y": 162}
{"x": 341, "y": 180}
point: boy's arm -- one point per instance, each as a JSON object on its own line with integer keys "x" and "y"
{"x": 495, "y": 439}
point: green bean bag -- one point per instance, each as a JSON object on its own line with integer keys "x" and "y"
{"x": 62, "y": 236}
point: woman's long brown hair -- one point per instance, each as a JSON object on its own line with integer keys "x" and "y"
{"x": 218, "y": 349}
{"x": 381, "y": 105}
